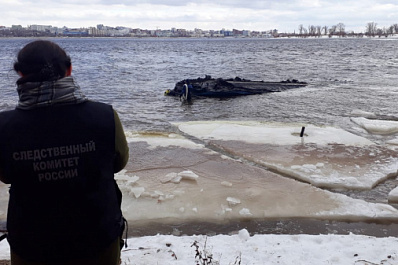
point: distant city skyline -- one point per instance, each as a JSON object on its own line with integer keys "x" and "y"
{"x": 256, "y": 15}
{"x": 101, "y": 30}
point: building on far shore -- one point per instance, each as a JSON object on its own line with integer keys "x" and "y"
{"x": 105, "y": 31}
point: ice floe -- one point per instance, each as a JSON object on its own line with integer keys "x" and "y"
{"x": 364, "y": 114}
{"x": 182, "y": 184}
{"x": 158, "y": 140}
{"x": 325, "y": 156}
{"x": 377, "y": 126}
{"x": 270, "y": 133}
{"x": 393, "y": 196}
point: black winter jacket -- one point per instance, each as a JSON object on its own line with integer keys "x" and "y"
{"x": 60, "y": 161}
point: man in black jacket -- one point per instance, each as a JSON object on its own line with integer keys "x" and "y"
{"x": 59, "y": 151}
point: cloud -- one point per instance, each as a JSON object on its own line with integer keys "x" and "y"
{"x": 284, "y": 15}
{"x": 231, "y": 3}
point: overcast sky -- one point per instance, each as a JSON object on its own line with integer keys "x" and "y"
{"x": 284, "y": 15}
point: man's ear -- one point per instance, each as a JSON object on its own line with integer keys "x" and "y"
{"x": 68, "y": 71}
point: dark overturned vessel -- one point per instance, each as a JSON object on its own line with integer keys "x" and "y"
{"x": 224, "y": 88}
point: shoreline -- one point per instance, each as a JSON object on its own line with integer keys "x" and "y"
{"x": 281, "y": 226}
{"x": 393, "y": 37}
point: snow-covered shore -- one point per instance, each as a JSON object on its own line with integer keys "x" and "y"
{"x": 257, "y": 249}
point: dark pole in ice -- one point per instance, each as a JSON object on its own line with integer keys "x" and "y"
{"x": 302, "y": 131}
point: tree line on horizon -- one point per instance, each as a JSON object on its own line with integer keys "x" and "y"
{"x": 371, "y": 30}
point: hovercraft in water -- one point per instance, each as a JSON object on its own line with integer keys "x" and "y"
{"x": 225, "y": 88}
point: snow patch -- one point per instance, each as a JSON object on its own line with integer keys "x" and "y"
{"x": 233, "y": 201}
{"x": 245, "y": 212}
{"x": 178, "y": 177}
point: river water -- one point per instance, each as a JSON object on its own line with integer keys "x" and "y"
{"x": 132, "y": 75}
